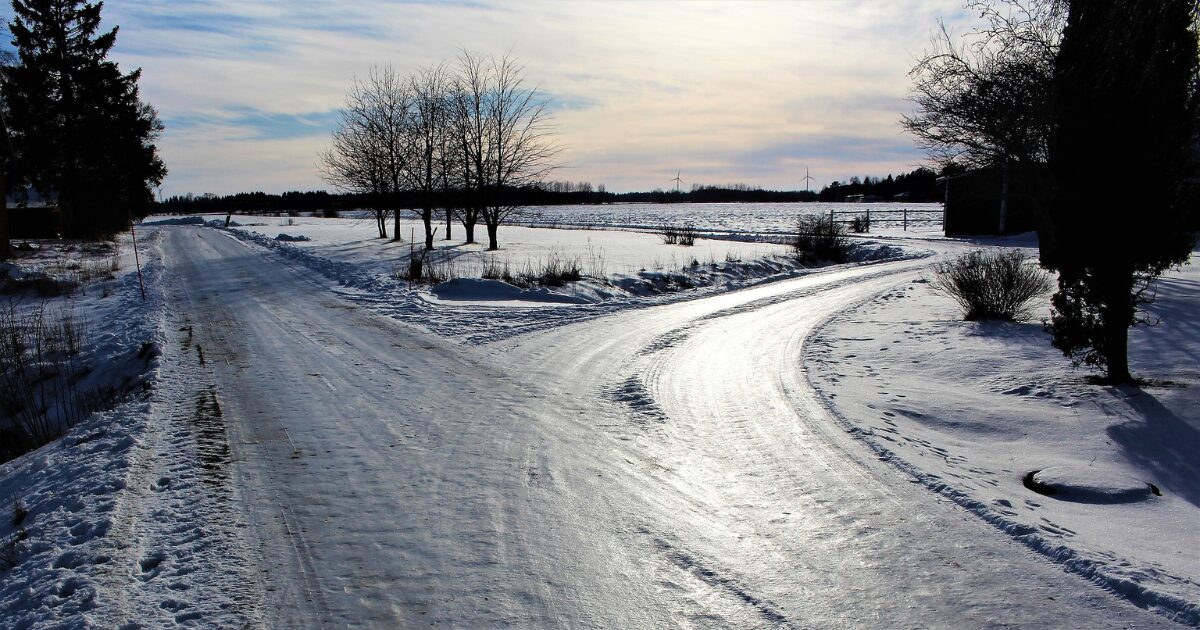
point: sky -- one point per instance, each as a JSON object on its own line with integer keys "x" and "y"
{"x": 720, "y": 92}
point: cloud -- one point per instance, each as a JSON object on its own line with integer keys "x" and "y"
{"x": 728, "y": 91}
{"x": 245, "y": 123}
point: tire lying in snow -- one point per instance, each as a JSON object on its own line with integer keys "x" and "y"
{"x": 1088, "y": 485}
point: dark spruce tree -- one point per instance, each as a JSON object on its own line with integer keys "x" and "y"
{"x": 79, "y": 129}
{"x": 1124, "y": 102}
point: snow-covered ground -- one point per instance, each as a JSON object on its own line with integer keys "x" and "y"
{"x": 738, "y": 454}
{"x": 620, "y": 269}
{"x": 969, "y": 409}
{"x": 732, "y": 218}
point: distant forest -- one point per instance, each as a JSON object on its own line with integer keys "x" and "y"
{"x": 919, "y": 185}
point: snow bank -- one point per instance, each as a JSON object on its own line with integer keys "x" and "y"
{"x": 57, "y": 562}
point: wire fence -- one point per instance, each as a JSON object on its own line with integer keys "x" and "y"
{"x": 862, "y": 221}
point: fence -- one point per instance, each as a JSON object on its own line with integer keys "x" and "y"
{"x": 865, "y": 218}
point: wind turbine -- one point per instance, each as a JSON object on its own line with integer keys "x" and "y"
{"x": 677, "y": 180}
{"x": 807, "y": 180}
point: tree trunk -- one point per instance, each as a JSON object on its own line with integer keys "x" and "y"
{"x": 493, "y": 244}
{"x": 449, "y": 221}
{"x": 1004, "y": 199}
{"x": 1117, "y": 314}
{"x": 427, "y": 219}
{"x": 469, "y": 221}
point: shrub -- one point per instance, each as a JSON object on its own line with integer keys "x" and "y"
{"x": 819, "y": 239}
{"x": 992, "y": 285}
{"x": 429, "y": 268}
{"x": 860, "y": 224}
{"x": 672, "y": 235}
{"x": 556, "y": 271}
{"x": 669, "y": 234}
{"x": 687, "y": 235}
{"x": 41, "y": 374}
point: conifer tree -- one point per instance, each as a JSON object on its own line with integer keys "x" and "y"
{"x": 78, "y": 126}
{"x": 1124, "y": 99}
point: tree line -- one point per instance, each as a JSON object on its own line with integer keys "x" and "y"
{"x": 919, "y": 185}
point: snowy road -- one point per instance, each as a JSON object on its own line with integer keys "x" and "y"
{"x": 659, "y": 467}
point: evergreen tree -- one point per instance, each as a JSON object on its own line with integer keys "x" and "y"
{"x": 1124, "y": 100}
{"x": 78, "y": 127}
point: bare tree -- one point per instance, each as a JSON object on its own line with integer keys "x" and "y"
{"x": 368, "y": 153}
{"x": 521, "y": 148}
{"x": 425, "y": 141}
{"x": 352, "y": 162}
{"x": 471, "y": 136}
{"x": 986, "y": 101}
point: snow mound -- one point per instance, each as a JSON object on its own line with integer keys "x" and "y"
{"x": 481, "y": 290}
{"x": 1088, "y": 485}
{"x": 288, "y": 238}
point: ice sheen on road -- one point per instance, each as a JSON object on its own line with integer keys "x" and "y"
{"x": 653, "y": 468}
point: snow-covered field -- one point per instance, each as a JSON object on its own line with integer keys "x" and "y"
{"x": 730, "y": 218}
{"x": 625, "y": 451}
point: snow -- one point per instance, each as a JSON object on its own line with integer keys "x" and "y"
{"x": 120, "y": 527}
{"x": 733, "y": 220}
{"x": 1089, "y": 485}
{"x": 742, "y": 442}
{"x": 969, "y": 409}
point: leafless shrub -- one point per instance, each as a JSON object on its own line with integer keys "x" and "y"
{"x": 430, "y": 268}
{"x": 669, "y": 235}
{"x": 40, "y": 374}
{"x": 819, "y": 239}
{"x": 555, "y": 271}
{"x": 992, "y": 285}
{"x": 675, "y": 235}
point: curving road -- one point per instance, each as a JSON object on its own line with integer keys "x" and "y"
{"x": 662, "y": 467}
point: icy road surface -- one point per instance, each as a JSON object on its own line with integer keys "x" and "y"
{"x": 660, "y": 467}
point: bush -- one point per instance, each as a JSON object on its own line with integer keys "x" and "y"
{"x": 687, "y": 235}
{"x": 41, "y": 370}
{"x": 672, "y": 235}
{"x": 429, "y": 268}
{"x": 860, "y": 224}
{"x": 555, "y": 271}
{"x": 819, "y": 239}
{"x": 992, "y": 285}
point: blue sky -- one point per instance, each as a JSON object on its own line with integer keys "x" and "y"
{"x": 749, "y": 92}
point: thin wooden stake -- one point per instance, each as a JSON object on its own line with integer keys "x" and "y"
{"x": 136, "y": 259}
